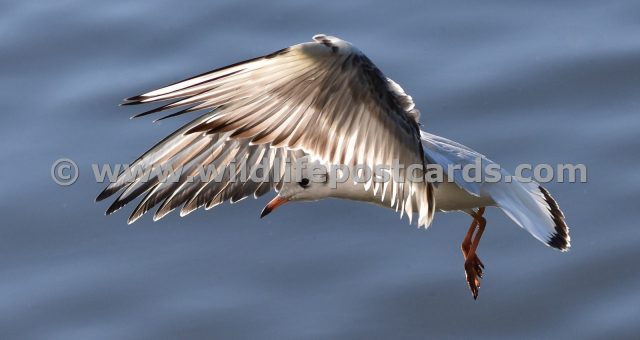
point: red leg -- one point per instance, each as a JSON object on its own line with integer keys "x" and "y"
{"x": 466, "y": 243}
{"x": 472, "y": 264}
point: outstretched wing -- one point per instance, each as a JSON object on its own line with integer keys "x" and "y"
{"x": 324, "y": 99}
{"x": 526, "y": 203}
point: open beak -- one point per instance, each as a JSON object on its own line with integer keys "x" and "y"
{"x": 271, "y": 206}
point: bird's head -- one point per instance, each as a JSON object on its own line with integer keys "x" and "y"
{"x": 310, "y": 183}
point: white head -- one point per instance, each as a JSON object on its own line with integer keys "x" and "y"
{"x": 311, "y": 183}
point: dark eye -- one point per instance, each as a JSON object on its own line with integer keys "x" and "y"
{"x": 304, "y": 182}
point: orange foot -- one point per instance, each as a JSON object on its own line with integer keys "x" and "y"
{"x": 473, "y": 269}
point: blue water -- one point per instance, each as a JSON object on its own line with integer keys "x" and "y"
{"x": 522, "y": 82}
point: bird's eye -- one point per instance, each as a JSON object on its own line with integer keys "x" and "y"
{"x": 304, "y": 182}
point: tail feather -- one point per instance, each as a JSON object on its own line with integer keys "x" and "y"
{"x": 560, "y": 238}
{"x": 531, "y": 207}
{"x": 527, "y": 203}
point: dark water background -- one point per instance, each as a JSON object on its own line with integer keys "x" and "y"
{"x": 520, "y": 81}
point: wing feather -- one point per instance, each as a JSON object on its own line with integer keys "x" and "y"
{"x": 323, "y": 98}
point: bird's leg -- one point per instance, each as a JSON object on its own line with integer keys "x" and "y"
{"x": 466, "y": 243}
{"x": 472, "y": 264}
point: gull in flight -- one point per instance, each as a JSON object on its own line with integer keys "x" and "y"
{"x": 325, "y": 101}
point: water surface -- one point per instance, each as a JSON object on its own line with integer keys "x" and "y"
{"x": 521, "y": 82}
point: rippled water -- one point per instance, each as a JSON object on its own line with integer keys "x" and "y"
{"x": 518, "y": 81}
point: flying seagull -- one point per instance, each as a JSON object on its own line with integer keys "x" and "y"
{"x": 326, "y": 101}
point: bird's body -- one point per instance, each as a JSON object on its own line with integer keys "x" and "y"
{"x": 322, "y": 100}
{"x": 448, "y": 196}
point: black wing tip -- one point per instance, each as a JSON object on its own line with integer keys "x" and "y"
{"x": 135, "y": 215}
{"x": 106, "y": 193}
{"x": 133, "y": 100}
{"x": 560, "y": 238}
{"x": 115, "y": 207}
